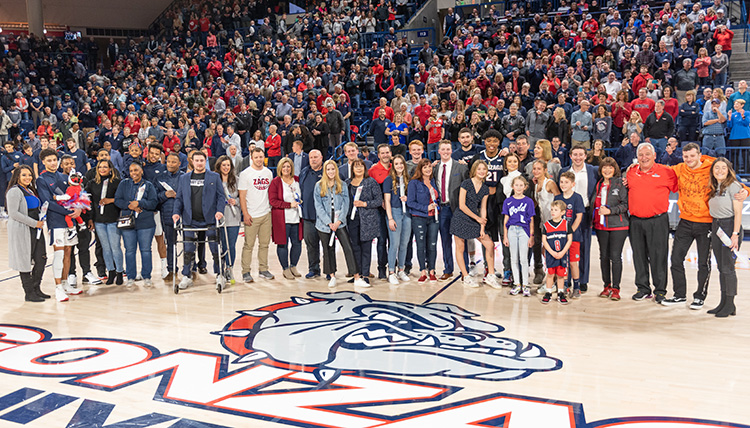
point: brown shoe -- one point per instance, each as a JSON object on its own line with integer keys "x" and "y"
{"x": 445, "y": 277}
{"x": 169, "y": 277}
{"x": 288, "y": 274}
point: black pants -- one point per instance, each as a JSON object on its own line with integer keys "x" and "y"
{"x": 725, "y": 258}
{"x": 382, "y": 247}
{"x": 687, "y": 232}
{"x": 32, "y": 280}
{"x": 536, "y": 250}
{"x": 649, "y": 238}
{"x": 312, "y": 242}
{"x": 610, "y": 255}
{"x": 329, "y": 252}
{"x": 362, "y": 249}
{"x": 84, "y": 256}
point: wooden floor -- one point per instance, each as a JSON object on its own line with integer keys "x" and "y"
{"x": 626, "y": 363}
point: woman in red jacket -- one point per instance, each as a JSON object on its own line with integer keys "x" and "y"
{"x": 286, "y": 223}
{"x": 621, "y": 111}
{"x": 273, "y": 146}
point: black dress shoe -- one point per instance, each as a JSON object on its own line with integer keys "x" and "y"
{"x": 203, "y": 270}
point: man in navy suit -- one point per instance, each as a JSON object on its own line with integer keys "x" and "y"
{"x": 449, "y": 174}
{"x": 300, "y": 159}
{"x": 586, "y": 178}
{"x": 351, "y": 151}
{"x": 200, "y": 202}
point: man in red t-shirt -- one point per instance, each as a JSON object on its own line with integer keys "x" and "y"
{"x": 643, "y": 105}
{"x": 422, "y": 111}
{"x": 641, "y": 80}
{"x": 435, "y": 130}
{"x": 649, "y": 185}
{"x": 384, "y": 106}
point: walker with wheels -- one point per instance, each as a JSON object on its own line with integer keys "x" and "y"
{"x": 220, "y": 227}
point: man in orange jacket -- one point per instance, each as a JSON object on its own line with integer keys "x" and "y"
{"x": 695, "y": 225}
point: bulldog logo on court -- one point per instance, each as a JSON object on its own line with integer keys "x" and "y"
{"x": 349, "y": 332}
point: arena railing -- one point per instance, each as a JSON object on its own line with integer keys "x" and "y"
{"x": 416, "y": 37}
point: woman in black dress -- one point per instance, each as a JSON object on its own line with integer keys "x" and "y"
{"x": 470, "y": 220}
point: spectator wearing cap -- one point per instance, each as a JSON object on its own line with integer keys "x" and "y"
{"x": 714, "y": 126}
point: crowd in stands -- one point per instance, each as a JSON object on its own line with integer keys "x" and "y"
{"x": 243, "y": 88}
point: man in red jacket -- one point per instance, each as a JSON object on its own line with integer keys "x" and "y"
{"x": 641, "y": 80}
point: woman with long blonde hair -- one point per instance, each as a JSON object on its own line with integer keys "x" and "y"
{"x": 331, "y": 211}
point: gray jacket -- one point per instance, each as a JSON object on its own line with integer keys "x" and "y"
{"x": 19, "y": 234}
{"x": 578, "y": 132}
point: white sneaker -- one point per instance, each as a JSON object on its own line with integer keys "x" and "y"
{"x": 72, "y": 280}
{"x": 138, "y": 277}
{"x": 542, "y": 289}
{"x": 491, "y": 280}
{"x": 185, "y": 282}
{"x": 393, "y": 279}
{"x": 360, "y": 282}
{"x": 60, "y": 294}
{"x": 93, "y": 279}
{"x": 332, "y": 282}
{"x": 515, "y": 290}
{"x": 473, "y": 270}
{"x": 130, "y": 283}
{"x": 471, "y": 282}
{"x": 148, "y": 284}
{"x": 164, "y": 271}
{"x": 402, "y": 276}
{"x": 71, "y": 289}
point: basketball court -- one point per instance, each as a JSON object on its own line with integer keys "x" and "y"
{"x": 296, "y": 353}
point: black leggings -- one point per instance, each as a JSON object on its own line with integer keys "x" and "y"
{"x": 610, "y": 255}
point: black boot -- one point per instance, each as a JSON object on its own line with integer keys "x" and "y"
{"x": 717, "y": 309}
{"x": 111, "y": 277}
{"x": 728, "y": 309}
{"x": 28, "y": 288}
{"x": 118, "y": 278}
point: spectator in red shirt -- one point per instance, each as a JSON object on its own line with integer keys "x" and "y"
{"x": 435, "y": 130}
{"x": 649, "y": 185}
{"x": 214, "y": 67}
{"x": 641, "y": 80}
{"x": 388, "y": 111}
{"x": 643, "y": 105}
{"x": 273, "y": 146}
{"x": 723, "y": 37}
{"x": 170, "y": 139}
{"x": 422, "y": 111}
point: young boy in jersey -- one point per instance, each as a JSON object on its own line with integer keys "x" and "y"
{"x": 574, "y": 210}
{"x": 556, "y": 240}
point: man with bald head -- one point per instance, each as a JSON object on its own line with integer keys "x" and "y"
{"x": 649, "y": 185}
{"x": 307, "y": 179}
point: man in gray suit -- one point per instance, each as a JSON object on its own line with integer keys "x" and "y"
{"x": 449, "y": 175}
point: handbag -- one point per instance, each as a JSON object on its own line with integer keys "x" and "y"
{"x": 126, "y": 221}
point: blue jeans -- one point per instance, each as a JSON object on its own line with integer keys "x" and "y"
{"x": 426, "y": 232}
{"x": 714, "y": 142}
{"x": 140, "y": 239}
{"x": 109, "y": 235}
{"x": 519, "y": 254}
{"x": 720, "y": 79}
{"x": 399, "y": 239}
{"x": 289, "y": 257}
{"x": 660, "y": 144}
{"x": 231, "y": 245}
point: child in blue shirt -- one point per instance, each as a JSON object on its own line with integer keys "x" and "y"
{"x": 574, "y": 215}
{"x": 518, "y": 211}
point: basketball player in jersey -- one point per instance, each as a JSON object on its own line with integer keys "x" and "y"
{"x": 556, "y": 240}
{"x": 493, "y": 157}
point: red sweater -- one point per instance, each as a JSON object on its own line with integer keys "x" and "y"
{"x": 273, "y": 145}
{"x": 278, "y": 205}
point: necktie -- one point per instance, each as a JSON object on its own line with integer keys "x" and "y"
{"x": 442, "y": 185}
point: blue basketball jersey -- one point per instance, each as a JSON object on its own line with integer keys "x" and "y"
{"x": 557, "y": 238}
